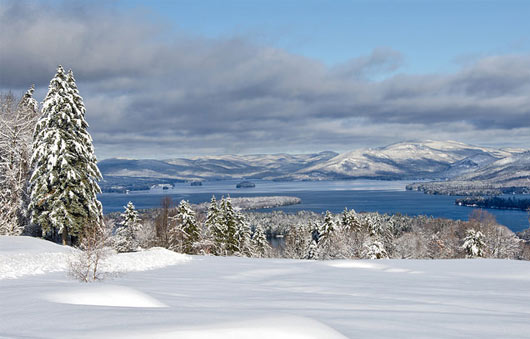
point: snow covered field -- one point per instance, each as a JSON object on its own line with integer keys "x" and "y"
{"x": 167, "y": 295}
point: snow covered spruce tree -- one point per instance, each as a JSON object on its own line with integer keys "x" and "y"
{"x": 474, "y": 244}
{"x": 125, "y": 239}
{"x": 185, "y": 231}
{"x": 17, "y": 121}
{"x": 349, "y": 221}
{"x": 228, "y": 220}
{"x": 228, "y": 229}
{"x": 243, "y": 235}
{"x": 260, "y": 245}
{"x": 327, "y": 237}
{"x": 214, "y": 228}
{"x": 65, "y": 173}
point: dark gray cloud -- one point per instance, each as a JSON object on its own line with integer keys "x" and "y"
{"x": 153, "y": 94}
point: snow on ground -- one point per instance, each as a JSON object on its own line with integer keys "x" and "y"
{"x": 215, "y": 297}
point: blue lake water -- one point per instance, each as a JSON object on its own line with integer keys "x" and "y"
{"x": 319, "y": 196}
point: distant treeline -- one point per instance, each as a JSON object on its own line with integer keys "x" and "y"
{"x": 495, "y": 202}
{"x": 465, "y": 188}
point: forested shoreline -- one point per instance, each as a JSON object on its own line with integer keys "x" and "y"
{"x": 495, "y": 203}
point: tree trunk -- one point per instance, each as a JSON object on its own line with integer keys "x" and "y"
{"x": 65, "y": 236}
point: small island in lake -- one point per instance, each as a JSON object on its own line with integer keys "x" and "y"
{"x": 196, "y": 183}
{"x": 245, "y": 184}
{"x": 254, "y": 203}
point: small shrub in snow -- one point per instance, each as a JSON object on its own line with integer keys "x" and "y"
{"x": 86, "y": 265}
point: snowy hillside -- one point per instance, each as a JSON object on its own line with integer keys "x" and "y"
{"x": 26, "y": 256}
{"x": 409, "y": 160}
{"x": 510, "y": 170}
{"x": 229, "y": 297}
{"x": 507, "y": 175}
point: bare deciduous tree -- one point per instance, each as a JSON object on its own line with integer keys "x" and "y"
{"x": 163, "y": 220}
{"x": 17, "y": 120}
{"x": 86, "y": 265}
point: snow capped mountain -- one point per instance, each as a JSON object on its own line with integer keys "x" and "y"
{"x": 258, "y": 166}
{"x": 408, "y": 160}
{"x": 405, "y": 160}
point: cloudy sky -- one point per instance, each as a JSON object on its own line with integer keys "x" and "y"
{"x": 162, "y": 79}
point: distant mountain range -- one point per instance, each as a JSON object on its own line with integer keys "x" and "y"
{"x": 431, "y": 160}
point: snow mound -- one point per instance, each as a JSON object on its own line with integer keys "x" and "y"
{"x": 285, "y": 327}
{"x": 23, "y": 244}
{"x": 150, "y": 259}
{"x": 21, "y": 256}
{"x": 104, "y": 295}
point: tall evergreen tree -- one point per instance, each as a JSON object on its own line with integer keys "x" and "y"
{"x": 65, "y": 173}
{"x": 327, "y": 237}
{"x": 243, "y": 235}
{"x": 230, "y": 225}
{"x": 185, "y": 231}
{"x": 260, "y": 245}
{"x": 214, "y": 227}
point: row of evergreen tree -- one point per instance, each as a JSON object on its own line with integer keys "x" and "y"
{"x": 224, "y": 231}
{"x": 221, "y": 230}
